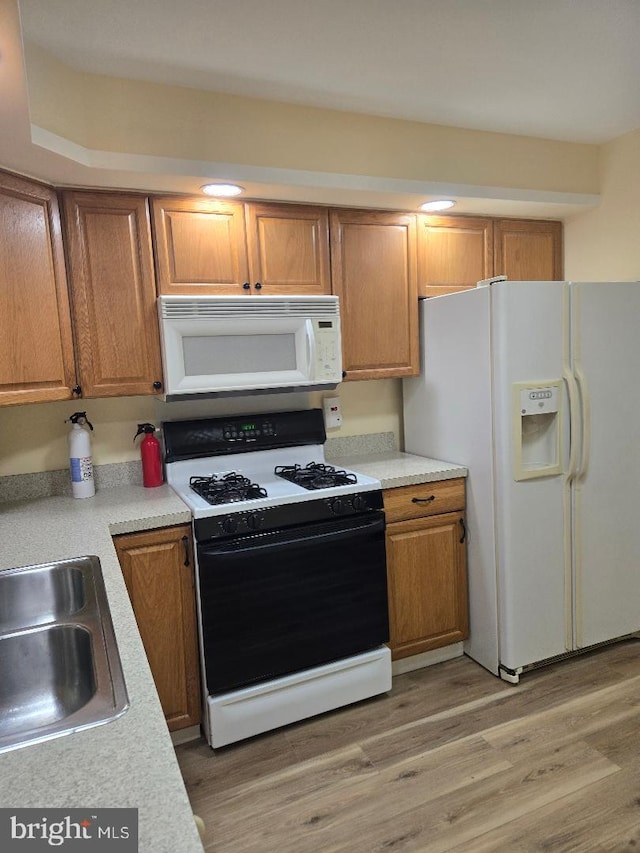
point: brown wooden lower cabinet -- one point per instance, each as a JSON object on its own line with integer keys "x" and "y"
{"x": 426, "y": 566}
{"x": 158, "y": 571}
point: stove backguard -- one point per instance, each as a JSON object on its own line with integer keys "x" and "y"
{"x": 194, "y": 439}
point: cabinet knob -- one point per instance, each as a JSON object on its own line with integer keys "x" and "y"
{"x": 157, "y": 385}
{"x": 77, "y": 390}
{"x": 258, "y": 286}
{"x": 423, "y": 500}
{"x": 246, "y": 286}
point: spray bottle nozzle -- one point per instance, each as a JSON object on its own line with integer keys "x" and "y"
{"x": 79, "y": 418}
{"x": 146, "y": 428}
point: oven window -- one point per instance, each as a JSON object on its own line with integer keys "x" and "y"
{"x": 228, "y": 354}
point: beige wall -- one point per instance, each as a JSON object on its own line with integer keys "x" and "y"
{"x": 34, "y": 437}
{"x": 604, "y": 244}
{"x": 115, "y": 115}
{"x": 368, "y": 407}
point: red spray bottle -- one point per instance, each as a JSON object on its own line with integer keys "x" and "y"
{"x": 151, "y": 456}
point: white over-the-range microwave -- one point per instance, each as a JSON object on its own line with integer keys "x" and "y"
{"x": 223, "y": 345}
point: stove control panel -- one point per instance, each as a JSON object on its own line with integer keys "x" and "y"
{"x": 246, "y": 522}
{"x": 240, "y": 522}
{"x": 349, "y": 504}
{"x": 248, "y": 430}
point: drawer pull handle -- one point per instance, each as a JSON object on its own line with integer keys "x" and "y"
{"x": 423, "y": 500}
{"x": 464, "y": 531}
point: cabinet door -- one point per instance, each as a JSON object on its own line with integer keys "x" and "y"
{"x": 454, "y": 253}
{"x": 200, "y": 246}
{"x": 288, "y": 248}
{"x": 373, "y": 267}
{"x": 427, "y": 582}
{"x": 159, "y": 574}
{"x": 36, "y": 345}
{"x": 528, "y": 250}
{"x": 113, "y": 294}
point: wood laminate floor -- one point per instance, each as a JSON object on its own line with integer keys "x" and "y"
{"x": 451, "y": 759}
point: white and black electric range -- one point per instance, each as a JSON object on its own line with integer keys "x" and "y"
{"x": 291, "y": 572}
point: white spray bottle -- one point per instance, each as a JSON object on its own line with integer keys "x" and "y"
{"x": 80, "y": 459}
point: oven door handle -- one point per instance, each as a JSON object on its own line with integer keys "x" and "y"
{"x": 318, "y": 533}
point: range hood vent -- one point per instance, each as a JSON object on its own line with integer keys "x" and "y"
{"x": 187, "y": 307}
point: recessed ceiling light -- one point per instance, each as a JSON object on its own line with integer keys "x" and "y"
{"x": 441, "y": 204}
{"x": 224, "y": 190}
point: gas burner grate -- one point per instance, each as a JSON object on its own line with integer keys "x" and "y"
{"x": 315, "y": 475}
{"x": 229, "y": 488}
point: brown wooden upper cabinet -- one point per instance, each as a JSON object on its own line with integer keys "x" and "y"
{"x": 527, "y": 250}
{"x": 288, "y": 248}
{"x": 455, "y": 252}
{"x": 374, "y": 272}
{"x": 200, "y": 246}
{"x": 205, "y": 247}
{"x": 36, "y": 344}
{"x": 108, "y": 237}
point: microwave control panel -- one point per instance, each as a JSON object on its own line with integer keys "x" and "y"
{"x": 328, "y": 353}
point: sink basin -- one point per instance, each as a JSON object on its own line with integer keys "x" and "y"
{"x": 60, "y": 669}
{"x": 48, "y": 675}
{"x": 36, "y": 595}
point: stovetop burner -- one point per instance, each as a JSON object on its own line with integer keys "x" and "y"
{"x": 229, "y": 488}
{"x": 315, "y": 475}
{"x": 271, "y": 480}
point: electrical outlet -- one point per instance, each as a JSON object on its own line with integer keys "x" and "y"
{"x": 332, "y": 413}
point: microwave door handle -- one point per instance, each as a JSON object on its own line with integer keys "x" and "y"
{"x": 311, "y": 350}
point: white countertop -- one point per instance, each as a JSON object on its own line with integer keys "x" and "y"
{"x": 395, "y": 469}
{"x": 129, "y": 762}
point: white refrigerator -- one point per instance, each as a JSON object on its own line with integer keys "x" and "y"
{"x": 535, "y": 387}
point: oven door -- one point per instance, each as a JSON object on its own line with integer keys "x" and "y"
{"x": 281, "y": 602}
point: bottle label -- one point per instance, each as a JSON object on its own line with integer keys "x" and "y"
{"x": 81, "y": 469}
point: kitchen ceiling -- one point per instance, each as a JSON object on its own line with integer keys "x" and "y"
{"x": 556, "y": 69}
{"x": 559, "y": 69}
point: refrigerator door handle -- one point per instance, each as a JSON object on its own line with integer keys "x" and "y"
{"x": 574, "y": 420}
{"x": 585, "y": 421}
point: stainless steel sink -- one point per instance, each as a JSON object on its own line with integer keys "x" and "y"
{"x": 59, "y": 665}
{"x": 39, "y": 594}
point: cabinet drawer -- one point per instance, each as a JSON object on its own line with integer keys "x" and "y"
{"x": 407, "y": 502}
